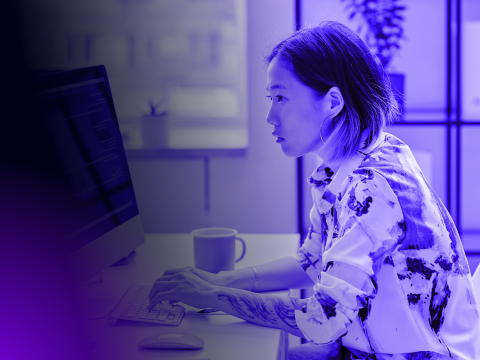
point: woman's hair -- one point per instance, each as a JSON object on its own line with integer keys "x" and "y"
{"x": 329, "y": 55}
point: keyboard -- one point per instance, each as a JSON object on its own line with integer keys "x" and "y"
{"x": 133, "y": 307}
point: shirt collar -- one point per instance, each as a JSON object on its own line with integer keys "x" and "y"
{"x": 332, "y": 177}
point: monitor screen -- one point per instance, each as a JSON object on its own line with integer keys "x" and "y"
{"x": 84, "y": 138}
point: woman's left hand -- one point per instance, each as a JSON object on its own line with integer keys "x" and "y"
{"x": 185, "y": 287}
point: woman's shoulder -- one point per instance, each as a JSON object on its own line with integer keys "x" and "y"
{"x": 394, "y": 160}
{"x": 391, "y": 152}
{"x": 390, "y": 172}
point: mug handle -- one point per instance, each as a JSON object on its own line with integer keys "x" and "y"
{"x": 243, "y": 251}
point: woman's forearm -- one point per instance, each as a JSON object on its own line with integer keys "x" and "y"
{"x": 261, "y": 309}
{"x": 284, "y": 273}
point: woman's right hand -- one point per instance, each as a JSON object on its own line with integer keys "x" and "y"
{"x": 284, "y": 273}
{"x": 220, "y": 279}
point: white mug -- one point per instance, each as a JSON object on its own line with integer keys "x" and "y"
{"x": 214, "y": 249}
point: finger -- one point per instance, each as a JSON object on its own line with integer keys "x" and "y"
{"x": 176, "y": 271}
{"x": 159, "y": 286}
{"x": 167, "y": 295}
{"x": 165, "y": 277}
{"x": 197, "y": 272}
{"x": 199, "y": 276}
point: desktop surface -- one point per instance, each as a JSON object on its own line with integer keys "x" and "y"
{"x": 226, "y": 337}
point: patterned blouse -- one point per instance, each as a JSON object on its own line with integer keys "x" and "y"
{"x": 392, "y": 279}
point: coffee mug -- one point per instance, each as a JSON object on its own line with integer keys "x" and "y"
{"x": 214, "y": 249}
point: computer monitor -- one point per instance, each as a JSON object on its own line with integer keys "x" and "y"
{"x": 101, "y": 223}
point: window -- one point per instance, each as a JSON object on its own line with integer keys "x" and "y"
{"x": 441, "y": 96}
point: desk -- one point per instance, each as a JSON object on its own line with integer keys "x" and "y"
{"x": 226, "y": 337}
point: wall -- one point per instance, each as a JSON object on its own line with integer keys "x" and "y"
{"x": 423, "y": 60}
{"x": 255, "y": 193}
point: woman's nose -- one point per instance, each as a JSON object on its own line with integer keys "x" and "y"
{"x": 272, "y": 118}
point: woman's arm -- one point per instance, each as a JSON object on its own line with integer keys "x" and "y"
{"x": 284, "y": 273}
{"x": 261, "y": 309}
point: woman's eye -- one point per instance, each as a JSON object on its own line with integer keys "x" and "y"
{"x": 278, "y": 97}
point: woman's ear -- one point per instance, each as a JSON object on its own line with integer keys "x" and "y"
{"x": 335, "y": 100}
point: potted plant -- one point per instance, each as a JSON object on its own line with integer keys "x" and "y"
{"x": 155, "y": 126}
{"x": 382, "y": 26}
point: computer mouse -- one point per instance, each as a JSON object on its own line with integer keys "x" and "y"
{"x": 172, "y": 341}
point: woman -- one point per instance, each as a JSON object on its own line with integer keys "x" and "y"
{"x": 390, "y": 277}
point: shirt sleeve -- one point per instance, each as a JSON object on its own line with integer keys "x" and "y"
{"x": 310, "y": 257}
{"x": 368, "y": 225}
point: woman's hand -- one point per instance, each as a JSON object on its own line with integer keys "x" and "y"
{"x": 285, "y": 273}
{"x": 220, "y": 279}
{"x": 182, "y": 285}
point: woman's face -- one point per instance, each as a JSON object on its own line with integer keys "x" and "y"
{"x": 296, "y": 112}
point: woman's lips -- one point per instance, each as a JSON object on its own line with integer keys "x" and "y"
{"x": 279, "y": 138}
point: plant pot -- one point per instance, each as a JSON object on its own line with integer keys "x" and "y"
{"x": 154, "y": 131}
{"x": 397, "y": 82}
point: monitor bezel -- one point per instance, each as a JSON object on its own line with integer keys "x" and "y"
{"x": 99, "y": 254}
